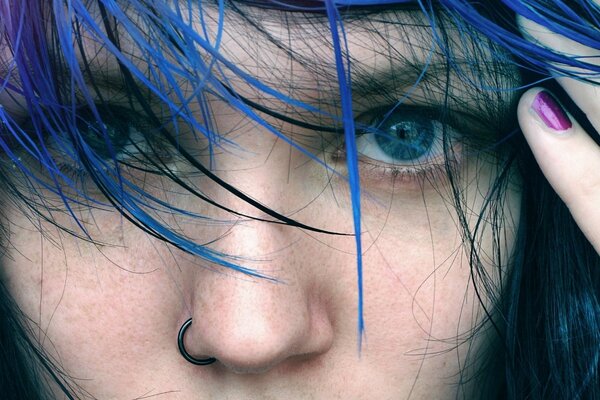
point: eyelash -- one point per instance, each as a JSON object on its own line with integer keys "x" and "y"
{"x": 443, "y": 145}
{"x": 132, "y": 147}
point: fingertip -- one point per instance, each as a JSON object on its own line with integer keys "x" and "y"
{"x": 540, "y": 107}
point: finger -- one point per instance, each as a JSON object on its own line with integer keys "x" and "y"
{"x": 567, "y": 155}
{"x": 584, "y": 93}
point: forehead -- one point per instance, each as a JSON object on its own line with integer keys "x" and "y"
{"x": 254, "y": 36}
{"x": 269, "y": 42}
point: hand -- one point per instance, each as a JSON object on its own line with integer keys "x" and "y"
{"x": 567, "y": 155}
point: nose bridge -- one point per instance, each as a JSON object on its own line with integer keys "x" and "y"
{"x": 266, "y": 168}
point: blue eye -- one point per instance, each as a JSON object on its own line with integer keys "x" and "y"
{"x": 133, "y": 143}
{"x": 402, "y": 138}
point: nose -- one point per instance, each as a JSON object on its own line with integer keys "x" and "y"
{"x": 252, "y": 325}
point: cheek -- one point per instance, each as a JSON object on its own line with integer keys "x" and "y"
{"x": 417, "y": 290}
{"x": 90, "y": 305}
{"x": 420, "y": 301}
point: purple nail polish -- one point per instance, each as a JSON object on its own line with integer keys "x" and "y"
{"x": 548, "y": 109}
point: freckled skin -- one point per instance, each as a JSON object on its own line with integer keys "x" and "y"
{"x": 111, "y": 312}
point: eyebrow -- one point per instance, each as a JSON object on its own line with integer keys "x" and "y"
{"x": 401, "y": 74}
{"x": 454, "y": 78}
{"x": 382, "y": 87}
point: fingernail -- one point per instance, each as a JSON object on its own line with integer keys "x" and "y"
{"x": 550, "y": 112}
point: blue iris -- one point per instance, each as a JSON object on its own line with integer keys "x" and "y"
{"x": 118, "y": 130}
{"x": 405, "y": 138}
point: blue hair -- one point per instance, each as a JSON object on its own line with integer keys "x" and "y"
{"x": 64, "y": 109}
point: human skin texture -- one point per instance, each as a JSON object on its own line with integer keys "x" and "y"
{"x": 109, "y": 311}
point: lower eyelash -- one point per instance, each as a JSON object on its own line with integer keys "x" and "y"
{"x": 400, "y": 173}
{"x": 73, "y": 172}
{"x": 379, "y": 175}
{"x": 77, "y": 172}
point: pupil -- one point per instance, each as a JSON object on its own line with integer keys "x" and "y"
{"x": 117, "y": 131}
{"x": 406, "y": 140}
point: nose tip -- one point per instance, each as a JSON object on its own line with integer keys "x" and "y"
{"x": 258, "y": 326}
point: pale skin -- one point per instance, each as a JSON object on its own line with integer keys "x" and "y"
{"x": 569, "y": 158}
{"x": 110, "y": 313}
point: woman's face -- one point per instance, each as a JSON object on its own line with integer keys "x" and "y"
{"x": 109, "y": 311}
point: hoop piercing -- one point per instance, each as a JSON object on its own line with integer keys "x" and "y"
{"x": 183, "y": 351}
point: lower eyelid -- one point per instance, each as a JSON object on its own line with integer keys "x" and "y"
{"x": 376, "y": 175}
{"x": 413, "y": 183}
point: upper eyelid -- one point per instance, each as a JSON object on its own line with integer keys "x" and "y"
{"x": 471, "y": 125}
{"x": 114, "y": 118}
{"x": 367, "y": 118}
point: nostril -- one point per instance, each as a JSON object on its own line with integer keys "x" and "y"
{"x": 256, "y": 366}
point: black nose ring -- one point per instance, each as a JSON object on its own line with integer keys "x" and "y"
{"x": 183, "y": 351}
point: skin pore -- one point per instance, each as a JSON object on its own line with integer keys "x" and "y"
{"x": 109, "y": 311}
